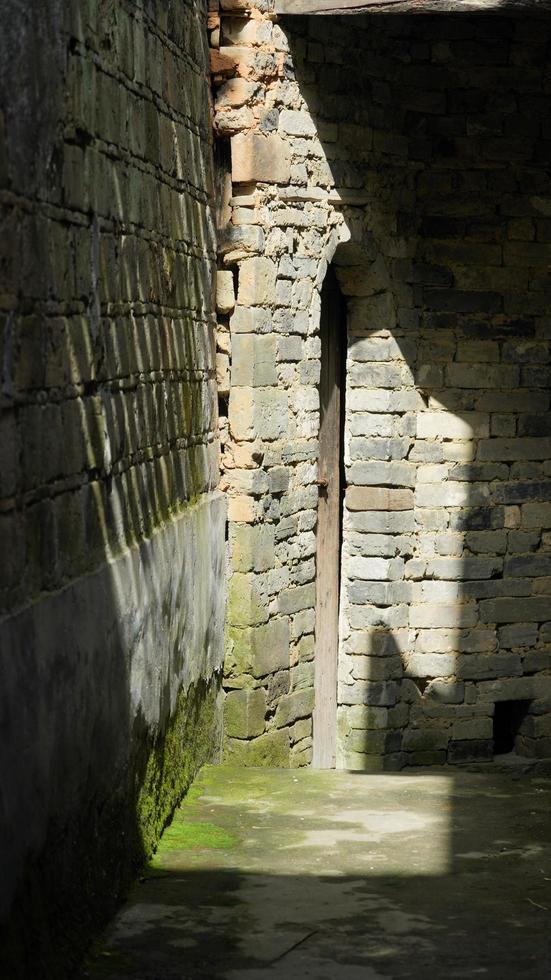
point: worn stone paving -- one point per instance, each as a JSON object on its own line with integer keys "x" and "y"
{"x": 343, "y": 876}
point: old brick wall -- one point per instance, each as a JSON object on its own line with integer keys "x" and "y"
{"x": 111, "y": 526}
{"x": 413, "y": 152}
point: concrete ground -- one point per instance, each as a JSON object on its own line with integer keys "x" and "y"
{"x": 272, "y": 874}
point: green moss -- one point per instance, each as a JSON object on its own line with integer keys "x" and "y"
{"x": 184, "y": 835}
{"x": 172, "y": 762}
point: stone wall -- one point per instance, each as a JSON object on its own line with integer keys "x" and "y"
{"x": 111, "y": 525}
{"x": 411, "y": 152}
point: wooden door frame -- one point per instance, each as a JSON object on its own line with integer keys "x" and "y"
{"x": 329, "y": 527}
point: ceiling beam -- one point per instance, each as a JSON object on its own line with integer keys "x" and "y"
{"x": 532, "y": 7}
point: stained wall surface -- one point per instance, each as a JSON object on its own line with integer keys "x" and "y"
{"x": 413, "y": 153}
{"x": 111, "y": 527}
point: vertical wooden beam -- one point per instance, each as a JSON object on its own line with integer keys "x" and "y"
{"x": 332, "y": 331}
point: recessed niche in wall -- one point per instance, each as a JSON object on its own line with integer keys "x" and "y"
{"x": 508, "y": 718}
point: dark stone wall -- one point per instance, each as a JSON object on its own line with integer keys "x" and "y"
{"x": 111, "y": 529}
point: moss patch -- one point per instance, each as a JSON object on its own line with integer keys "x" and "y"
{"x": 185, "y": 835}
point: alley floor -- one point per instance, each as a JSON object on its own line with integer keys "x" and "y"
{"x": 269, "y": 874}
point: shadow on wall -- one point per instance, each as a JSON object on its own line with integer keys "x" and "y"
{"x": 110, "y": 630}
{"x": 446, "y": 562}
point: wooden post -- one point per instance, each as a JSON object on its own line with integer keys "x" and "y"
{"x": 332, "y": 329}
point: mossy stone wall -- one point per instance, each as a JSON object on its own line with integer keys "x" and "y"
{"x": 111, "y": 527}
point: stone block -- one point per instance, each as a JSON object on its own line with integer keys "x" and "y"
{"x": 446, "y": 691}
{"x": 429, "y": 665}
{"x": 245, "y": 713}
{"x": 292, "y": 707}
{"x": 297, "y": 599}
{"x": 253, "y": 360}
{"x": 527, "y": 565}
{"x": 246, "y": 606}
{"x": 260, "y": 158}
{"x": 278, "y": 477}
{"x": 531, "y": 609}
{"x": 479, "y": 640}
{"x": 518, "y": 635}
{"x": 235, "y": 93}
{"x": 225, "y": 293}
{"x": 510, "y": 689}
{"x": 262, "y": 650}
{"x": 380, "y": 522}
{"x": 444, "y": 425}
{"x": 472, "y": 728}
{"x": 381, "y": 693}
{"x": 515, "y": 449}
{"x": 364, "y": 716}
{"x": 432, "y": 616}
{"x": 270, "y": 750}
{"x": 253, "y": 547}
{"x": 436, "y": 757}
{"x": 479, "y": 666}
{"x": 470, "y": 750}
{"x": 290, "y": 348}
{"x": 424, "y": 740}
{"x": 380, "y": 474}
{"x": 257, "y": 413}
{"x": 250, "y": 320}
{"x": 373, "y": 569}
{"x": 257, "y": 281}
{"x": 243, "y": 510}
{"x": 378, "y": 498}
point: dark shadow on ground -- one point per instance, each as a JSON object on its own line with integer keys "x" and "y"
{"x": 340, "y": 876}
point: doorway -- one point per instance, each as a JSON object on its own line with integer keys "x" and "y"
{"x": 329, "y": 528}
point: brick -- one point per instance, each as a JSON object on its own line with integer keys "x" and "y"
{"x": 478, "y": 666}
{"x": 518, "y": 635}
{"x": 374, "y": 568}
{"x": 377, "y": 473}
{"x": 528, "y": 565}
{"x": 431, "y": 616}
{"x": 536, "y": 515}
{"x": 429, "y": 665}
{"x": 514, "y": 449}
{"x": 534, "y": 609}
{"x": 481, "y": 375}
{"x": 444, "y": 425}
{"x": 378, "y": 498}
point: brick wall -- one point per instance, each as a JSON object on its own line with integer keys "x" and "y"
{"x": 111, "y": 526}
{"x": 411, "y": 152}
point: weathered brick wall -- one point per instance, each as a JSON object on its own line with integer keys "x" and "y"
{"x": 413, "y": 152}
{"x": 111, "y": 526}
